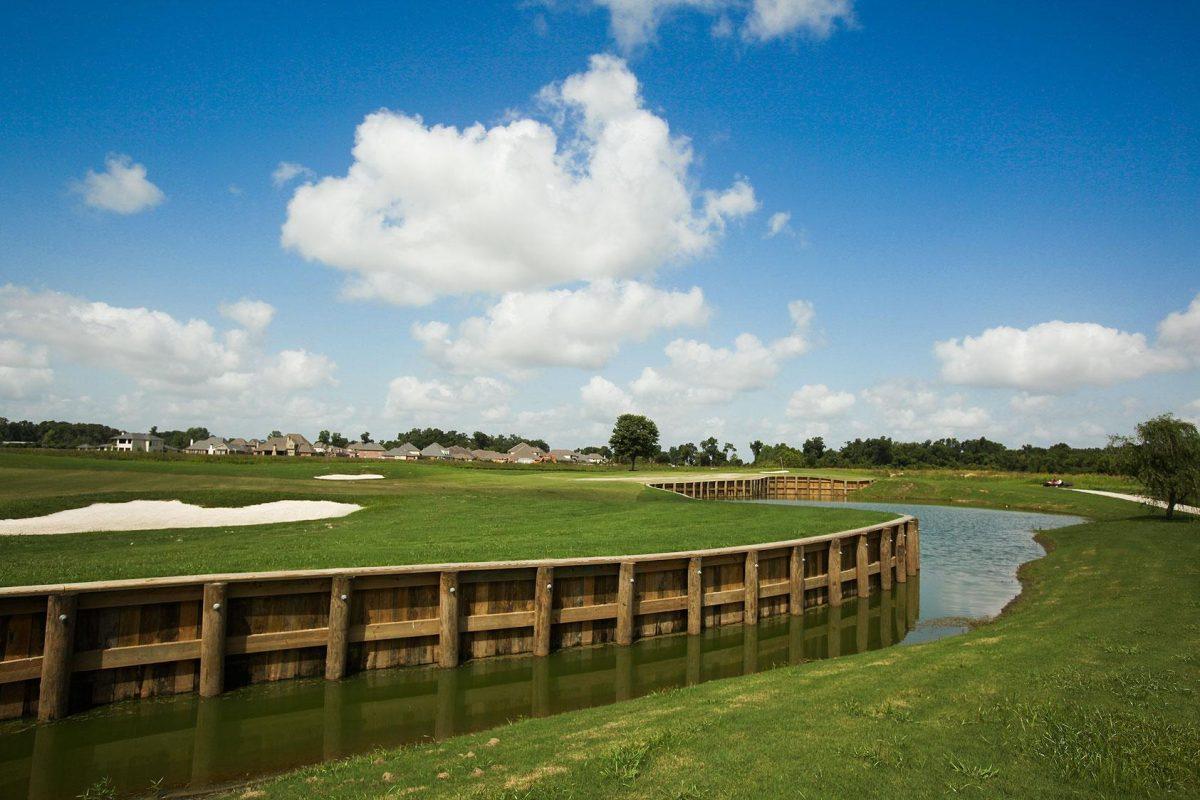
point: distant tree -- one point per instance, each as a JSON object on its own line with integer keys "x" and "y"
{"x": 274, "y": 435}
{"x": 364, "y": 437}
{"x": 711, "y": 455}
{"x": 323, "y": 437}
{"x": 1165, "y": 457}
{"x": 634, "y": 435}
{"x": 337, "y": 440}
{"x": 756, "y": 447}
{"x": 813, "y": 448}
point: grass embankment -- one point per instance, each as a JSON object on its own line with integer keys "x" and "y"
{"x": 1085, "y": 687}
{"x": 421, "y": 513}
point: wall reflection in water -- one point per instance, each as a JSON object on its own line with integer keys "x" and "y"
{"x": 183, "y": 741}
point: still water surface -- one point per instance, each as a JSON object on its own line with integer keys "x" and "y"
{"x": 969, "y": 559}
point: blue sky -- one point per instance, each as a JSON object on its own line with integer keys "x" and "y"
{"x": 1016, "y": 181}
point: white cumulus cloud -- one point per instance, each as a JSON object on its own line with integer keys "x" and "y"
{"x": 562, "y": 327}
{"x": 910, "y": 409}
{"x": 698, "y": 372}
{"x": 24, "y": 370}
{"x": 603, "y": 191}
{"x": 603, "y": 400}
{"x": 288, "y": 171}
{"x": 1058, "y": 356}
{"x": 635, "y": 22}
{"x": 778, "y": 223}
{"x": 253, "y": 315}
{"x": 818, "y": 401}
{"x": 159, "y": 352}
{"x": 121, "y": 188}
{"x": 409, "y": 395}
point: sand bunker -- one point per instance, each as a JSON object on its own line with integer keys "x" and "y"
{"x": 150, "y": 515}
{"x": 349, "y": 477}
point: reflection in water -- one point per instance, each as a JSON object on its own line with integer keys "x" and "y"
{"x": 185, "y": 741}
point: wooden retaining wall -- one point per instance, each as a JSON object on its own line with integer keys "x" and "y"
{"x": 68, "y": 647}
{"x": 765, "y": 487}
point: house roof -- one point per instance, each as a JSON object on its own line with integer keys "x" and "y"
{"x": 370, "y": 447}
{"x": 455, "y": 450}
{"x": 407, "y": 447}
{"x": 435, "y": 450}
{"x": 137, "y": 437}
{"x": 489, "y": 455}
{"x": 204, "y": 444}
{"x": 561, "y": 453}
{"x": 525, "y": 450}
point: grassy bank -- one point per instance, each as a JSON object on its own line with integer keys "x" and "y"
{"x": 420, "y": 513}
{"x": 1086, "y": 687}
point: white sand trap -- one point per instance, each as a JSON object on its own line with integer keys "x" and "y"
{"x": 152, "y": 515}
{"x": 350, "y": 477}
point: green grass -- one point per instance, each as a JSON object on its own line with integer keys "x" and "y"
{"x": 421, "y": 513}
{"x": 1086, "y": 687}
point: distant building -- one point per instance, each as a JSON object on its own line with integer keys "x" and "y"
{"x": 489, "y": 455}
{"x": 239, "y": 446}
{"x": 291, "y": 444}
{"x": 212, "y": 446}
{"x": 366, "y": 450}
{"x": 460, "y": 453}
{"x": 593, "y": 458}
{"x": 567, "y": 456}
{"x": 127, "y": 442}
{"x": 435, "y": 450}
{"x": 330, "y": 450}
{"x": 405, "y": 452}
{"x": 525, "y": 453}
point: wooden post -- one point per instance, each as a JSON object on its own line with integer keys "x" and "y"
{"x": 914, "y": 546}
{"x": 695, "y": 588}
{"x": 862, "y": 577}
{"x": 57, "y": 650}
{"x": 835, "y": 572}
{"x": 625, "y": 603}
{"x": 213, "y": 613}
{"x": 796, "y": 581}
{"x": 448, "y": 619}
{"x": 885, "y": 558}
{"x": 339, "y": 628}
{"x": 750, "y": 607}
{"x": 901, "y": 555}
{"x": 543, "y": 601}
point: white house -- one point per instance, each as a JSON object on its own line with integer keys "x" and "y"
{"x": 136, "y": 443}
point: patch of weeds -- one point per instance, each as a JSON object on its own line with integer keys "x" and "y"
{"x": 102, "y": 789}
{"x": 878, "y": 755}
{"x": 628, "y": 760}
{"x": 1118, "y": 752}
{"x": 975, "y": 772}
{"x": 1122, "y": 649}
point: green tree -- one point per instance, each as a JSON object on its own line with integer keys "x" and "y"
{"x": 756, "y": 447}
{"x": 323, "y": 437}
{"x": 337, "y": 440}
{"x": 1165, "y": 457}
{"x": 634, "y": 435}
{"x": 365, "y": 437}
{"x": 813, "y": 449}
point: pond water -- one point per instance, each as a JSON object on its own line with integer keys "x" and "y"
{"x": 969, "y": 559}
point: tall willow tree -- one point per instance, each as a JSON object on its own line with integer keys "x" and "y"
{"x": 1165, "y": 457}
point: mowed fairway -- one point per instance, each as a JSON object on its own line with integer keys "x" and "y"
{"x": 420, "y": 513}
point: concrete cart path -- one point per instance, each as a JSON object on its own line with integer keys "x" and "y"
{"x": 1137, "y": 498}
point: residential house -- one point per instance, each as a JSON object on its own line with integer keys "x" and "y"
{"x": 239, "y": 446}
{"x": 212, "y": 446}
{"x": 405, "y": 452}
{"x": 291, "y": 444}
{"x": 593, "y": 458}
{"x": 525, "y": 453}
{"x": 330, "y": 450}
{"x": 366, "y": 450}
{"x": 460, "y": 453}
{"x": 435, "y": 450}
{"x": 489, "y": 455}
{"x": 565, "y": 456}
{"x": 136, "y": 443}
